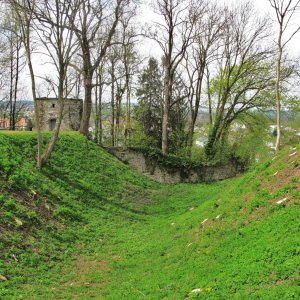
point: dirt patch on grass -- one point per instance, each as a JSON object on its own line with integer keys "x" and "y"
{"x": 281, "y": 178}
{"x": 84, "y": 266}
{"x": 83, "y": 269}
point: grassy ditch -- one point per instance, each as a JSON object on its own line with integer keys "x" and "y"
{"x": 88, "y": 227}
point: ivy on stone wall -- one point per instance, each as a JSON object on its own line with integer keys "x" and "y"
{"x": 169, "y": 160}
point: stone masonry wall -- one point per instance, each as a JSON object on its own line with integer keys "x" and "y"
{"x": 48, "y": 110}
{"x": 163, "y": 174}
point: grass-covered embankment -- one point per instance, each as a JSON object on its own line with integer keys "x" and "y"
{"x": 97, "y": 230}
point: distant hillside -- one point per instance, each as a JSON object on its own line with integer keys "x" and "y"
{"x": 20, "y": 103}
{"x": 285, "y": 114}
{"x": 88, "y": 227}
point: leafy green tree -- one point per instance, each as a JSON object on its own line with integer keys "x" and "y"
{"x": 150, "y": 101}
{"x": 178, "y": 120}
{"x": 238, "y": 91}
{"x": 250, "y": 138}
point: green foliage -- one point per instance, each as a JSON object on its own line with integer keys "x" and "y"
{"x": 250, "y": 143}
{"x": 247, "y": 141}
{"x": 97, "y": 230}
{"x": 238, "y": 89}
{"x": 293, "y": 103}
{"x": 139, "y": 138}
{"x": 168, "y": 160}
{"x": 149, "y": 95}
{"x": 149, "y": 111}
{"x": 252, "y": 75}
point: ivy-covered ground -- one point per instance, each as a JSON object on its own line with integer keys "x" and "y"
{"x": 87, "y": 227}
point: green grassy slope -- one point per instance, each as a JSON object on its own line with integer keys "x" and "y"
{"x": 97, "y": 230}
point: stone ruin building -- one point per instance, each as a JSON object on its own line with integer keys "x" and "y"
{"x": 48, "y": 113}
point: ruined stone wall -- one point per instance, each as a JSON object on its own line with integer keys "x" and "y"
{"x": 163, "y": 174}
{"x": 48, "y": 112}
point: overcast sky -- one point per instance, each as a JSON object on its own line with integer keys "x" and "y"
{"x": 150, "y": 48}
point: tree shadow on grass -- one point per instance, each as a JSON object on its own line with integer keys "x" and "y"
{"x": 54, "y": 174}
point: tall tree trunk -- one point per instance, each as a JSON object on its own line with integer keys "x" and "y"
{"x": 26, "y": 28}
{"x": 99, "y": 92}
{"x": 165, "y": 125}
{"x": 100, "y": 133}
{"x": 278, "y": 92}
{"x": 127, "y": 121}
{"x": 195, "y": 111}
{"x": 166, "y": 111}
{"x": 14, "y": 116}
{"x": 112, "y": 130}
{"x": 11, "y": 87}
{"x": 47, "y": 153}
{"x": 210, "y": 148}
{"x": 209, "y": 98}
{"x": 78, "y": 84}
{"x": 118, "y": 115}
{"x": 87, "y": 106}
{"x": 191, "y": 133}
{"x": 36, "y": 107}
{"x": 119, "y": 96}
{"x": 96, "y": 109}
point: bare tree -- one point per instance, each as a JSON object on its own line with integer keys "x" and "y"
{"x": 94, "y": 17}
{"x": 122, "y": 64}
{"x": 130, "y": 62}
{"x": 14, "y": 61}
{"x": 24, "y": 10}
{"x": 49, "y": 20}
{"x": 202, "y": 54}
{"x": 113, "y": 59}
{"x": 174, "y": 35}
{"x": 285, "y": 10}
{"x": 102, "y": 83}
{"x": 52, "y": 28}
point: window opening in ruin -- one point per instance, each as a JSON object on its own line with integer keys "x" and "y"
{"x": 52, "y": 123}
{"x": 53, "y": 105}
